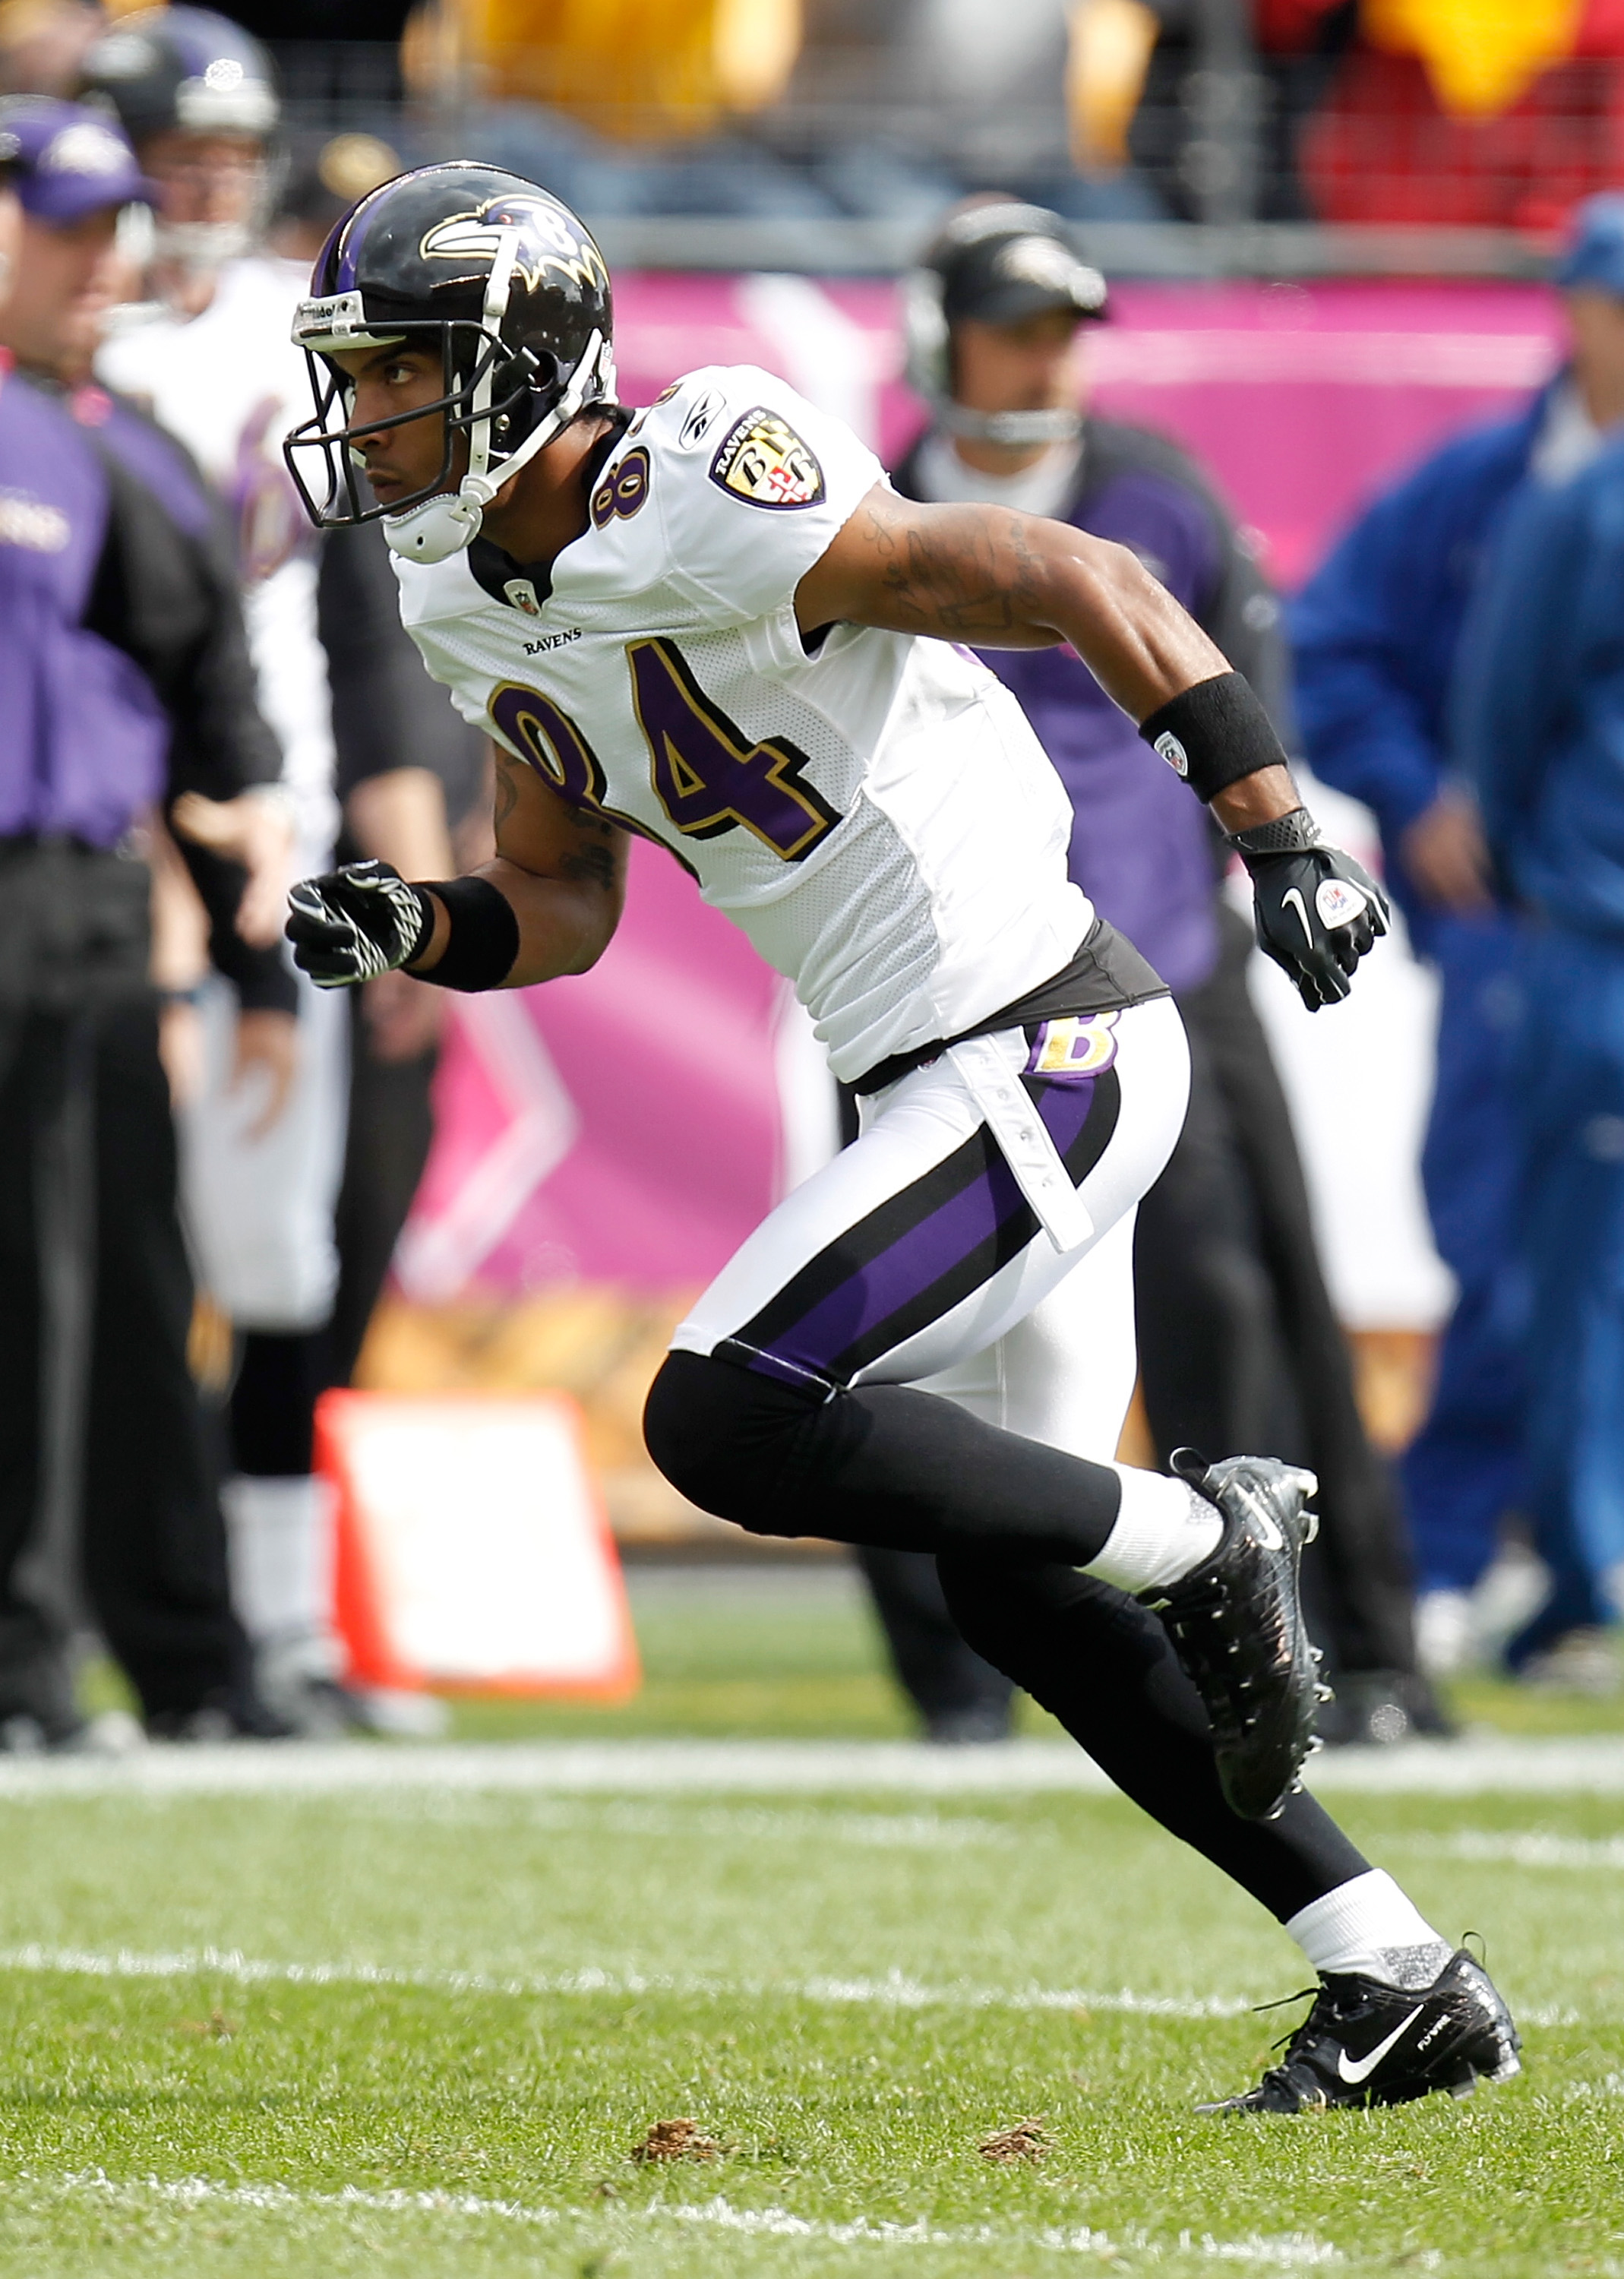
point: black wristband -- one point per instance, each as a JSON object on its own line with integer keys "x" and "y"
{"x": 1213, "y": 734}
{"x": 1284, "y": 834}
{"x": 484, "y": 941}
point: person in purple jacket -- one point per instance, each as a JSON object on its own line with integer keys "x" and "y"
{"x": 127, "y": 683}
{"x": 1238, "y": 1344}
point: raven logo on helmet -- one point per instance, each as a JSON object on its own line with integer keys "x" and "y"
{"x": 546, "y": 242}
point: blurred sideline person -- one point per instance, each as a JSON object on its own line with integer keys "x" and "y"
{"x": 127, "y": 683}
{"x": 713, "y": 623}
{"x": 1239, "y": 1343}
{"x": 208, "y": 352}
{"x": 406, "y": 768}
{"x": 1540, "y": 715}
{"x": 1376, "y": 635}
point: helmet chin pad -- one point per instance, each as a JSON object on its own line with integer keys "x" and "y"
{"x": 435, "y": 529}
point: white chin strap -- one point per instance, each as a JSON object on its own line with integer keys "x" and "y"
{"x": 444, "y": 525}
{"x": 1015, "y": 428}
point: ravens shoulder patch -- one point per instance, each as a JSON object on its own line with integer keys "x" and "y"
{"x": 763, "y": 461}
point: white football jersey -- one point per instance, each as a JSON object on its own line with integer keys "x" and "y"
{"x": 878, "y": 816}
{"x": 229, "y": 384}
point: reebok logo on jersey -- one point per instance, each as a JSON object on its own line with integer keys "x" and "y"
{"x": 696, "y": 426}
{"x": 552, "y": 641}
{"x": 763, "y": 461}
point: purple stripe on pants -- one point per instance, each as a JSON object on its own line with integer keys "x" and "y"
{"x": 917, "y": 1260}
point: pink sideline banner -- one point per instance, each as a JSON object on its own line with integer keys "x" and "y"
{"x": 626, "y": 1125}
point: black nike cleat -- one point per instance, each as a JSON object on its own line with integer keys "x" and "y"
{"x": 1366, "y": 2044}
{"x": 1236, "y": 1624}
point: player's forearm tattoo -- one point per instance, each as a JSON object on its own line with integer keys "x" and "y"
{"x": 595, "y": 866}
{"x": 508, "y": 774}
{"x": 596, "y": 858}
{"x": 954, "y": 575}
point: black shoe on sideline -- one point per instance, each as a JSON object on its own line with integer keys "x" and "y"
{"x": 1366, "y": 2044}
{"x": 39, "y": 1707}
{"x": 1236, "y": 1625}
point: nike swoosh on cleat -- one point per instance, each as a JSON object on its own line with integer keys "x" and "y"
{"x": 1294, "y": 895}
{"x": 1362, "y": 2068}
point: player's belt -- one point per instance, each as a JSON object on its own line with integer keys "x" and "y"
{"x": 1023, "y": 1139}
{"x": 1107, "y": 974}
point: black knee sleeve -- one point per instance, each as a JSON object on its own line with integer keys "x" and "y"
{"x": 726, "y": 1439}
{"x": 883, "y": 1464}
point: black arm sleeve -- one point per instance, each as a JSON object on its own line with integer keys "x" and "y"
{"x": 169, "y": 599}
{"x": 386, "y": 712}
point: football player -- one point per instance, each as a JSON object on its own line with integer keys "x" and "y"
{"x": 712, "y": 623}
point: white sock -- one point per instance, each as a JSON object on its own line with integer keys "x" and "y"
{"x": 1163, "y": 1530}
{"x": 280, "y": 1533}
{"x": 1369, "y": 1926}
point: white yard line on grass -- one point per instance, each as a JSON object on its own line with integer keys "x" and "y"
{"x": 894, "y": 1991}
{"x": 1296, "y": 2251}
{"x": 1592, "y": 1764}
{"x": 1511, "y": 1847}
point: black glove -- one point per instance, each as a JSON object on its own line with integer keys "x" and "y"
{"x": 355, "y": 924}
{"x": 1318, "y": 911}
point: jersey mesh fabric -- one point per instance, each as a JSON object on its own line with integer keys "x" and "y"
{"x": 926, "y": 883}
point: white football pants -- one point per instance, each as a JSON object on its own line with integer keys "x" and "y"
{"x": 977, "y": 1239}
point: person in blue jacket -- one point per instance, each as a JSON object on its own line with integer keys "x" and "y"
{"x": 1539, "y": 717}
{"x": 1375, "y": 637}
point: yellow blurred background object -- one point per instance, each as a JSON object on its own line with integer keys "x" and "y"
{"x": 352, "y": 165}
{"x": 1107, "y": 55}
{"x": 1480, "y": 55}
{"x": 635, "y": 70}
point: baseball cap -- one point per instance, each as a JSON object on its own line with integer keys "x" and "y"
{"x": 65, "y": 162}
{"x": 1595, "y": 250}
{"x": 1002, "y": 263}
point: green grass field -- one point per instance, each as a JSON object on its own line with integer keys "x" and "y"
{"x": 419, "y": 2031}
